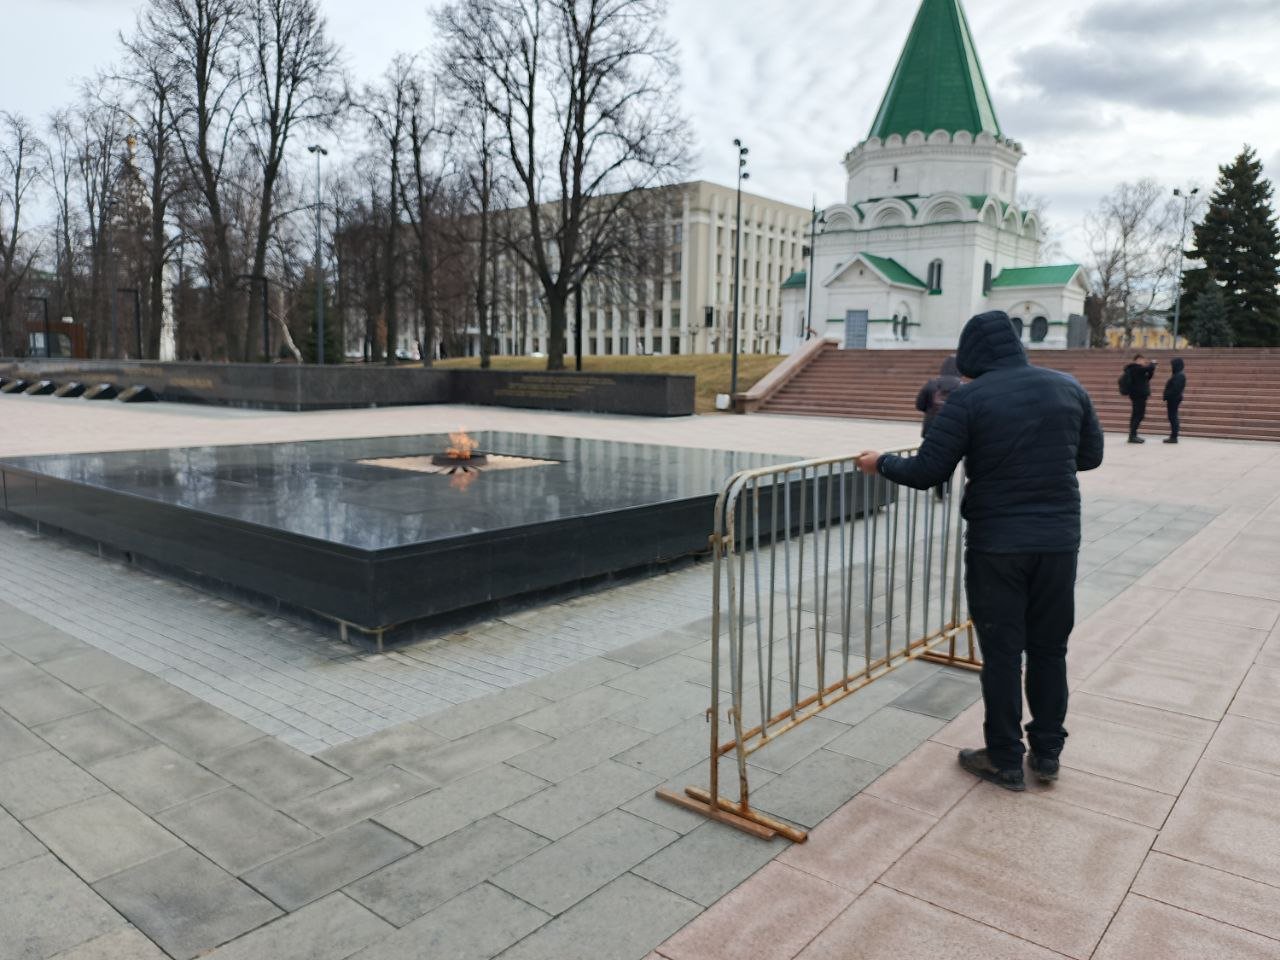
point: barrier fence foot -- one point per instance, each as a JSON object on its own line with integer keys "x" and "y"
{"x": 947, "y": 660}
{"x": 731, "y": 813}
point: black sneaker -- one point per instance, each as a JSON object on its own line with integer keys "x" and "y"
{"x": 979, "y": 764}
{"x": 1170, "y": 439}
{"x": 1136, "y": 440}
{"x": 1045, "y": 768}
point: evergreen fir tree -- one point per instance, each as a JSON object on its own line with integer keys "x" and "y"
{"x": 1209, "y": 326}
{"x": 303, "y": 322}
{"x": 1240, "y": 245}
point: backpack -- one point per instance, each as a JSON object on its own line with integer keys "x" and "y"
{"x": 1124, "y": 384}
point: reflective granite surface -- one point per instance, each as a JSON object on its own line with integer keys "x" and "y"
{"x": 320, "y": 490}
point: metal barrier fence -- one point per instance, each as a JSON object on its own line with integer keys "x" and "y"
{"x": 825, "y": 580}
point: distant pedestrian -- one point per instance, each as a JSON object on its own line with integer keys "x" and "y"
{"x": 1173, "y": 391}
{"x": 933, "y": 397}
{"x": 1135, "y": 383}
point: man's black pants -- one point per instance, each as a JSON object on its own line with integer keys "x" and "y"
{"x": 1175, "y": 422}
{"x": 1139, "y": 410}
{"x": 1022, "y": 603}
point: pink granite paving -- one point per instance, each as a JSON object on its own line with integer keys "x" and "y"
{"x": 1161, "y": 840}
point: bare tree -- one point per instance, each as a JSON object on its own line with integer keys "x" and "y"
{"x": 21, "y": 163}
{"x": 583, "y": 100}
{"x": 1133, "y": 239}
{"x": 290, "y": 78}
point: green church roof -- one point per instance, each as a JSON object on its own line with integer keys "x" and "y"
{"x": 895, "y": 271}
{"x": 797, "y": 279}
{"x": 938, "y": 82}
{"x": 1054, "y": 275}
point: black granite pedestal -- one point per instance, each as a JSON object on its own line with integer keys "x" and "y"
{"x": 374, "y": 533}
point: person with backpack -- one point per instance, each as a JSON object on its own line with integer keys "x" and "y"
{"x": 933, "y": 397}
{"x": 1135, "y": 383}
{"x": 1173, "y": 391}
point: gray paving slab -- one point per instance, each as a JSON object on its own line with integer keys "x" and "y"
{"x": 16, "y": 671}
{"x": 126, "y": 943}
{"x": 560, "y": 759}
{"x": 419, "y": 883}
{"x": 47, "y": 909}
{"x": 328, "y": 864}
{"x": 330, "y": 929}
{"x": 15, "y": 623}
{"x": 798, "y": 743}
{"x": 199, "y": 731}
{"x": 274, "y": 771}
{"x": 574, "y": 802}
{"x": 156, "y": 778}
{"x": 814, "y": 788}
{"x": 882, "y": 691}
{"x": 234, "y": 830}
{"x": 943, "y": 695}
{"x": 708, "y": 862}
{"x": 578, "y": 710}
{"x": 574, "y": 867}
{"x": 95, "y": 735}
{"x": 453, "y": 806}
{"x": 101, "y": 836}
{"x": 680, "y": 702}
{"x": 623, "y": 921}
{"x": 142, "y": 699}
{"x": 886, "y": 736}
{"x": 653, "y": 679}
{"x": 16, "y": 843}
{"x": 452, "y": 930}
{"x": 16, "y": 740}
{"x": 464, "y": 718}
{"x": 42, "y": 699}
{"x": 185, "y": 903}
{"x": 674, "y": 749}
{"x": 580, "y": 676}
{"x": 360, "y": 798}
{"x": 41, "y": 642}
{"x": 659, "y": 646}
{"x": 91, "y": 668}
{"x": 667, "y": 814}
{"x": 387, "y": 746}
{"x": 39, "y": 782}
{"x": 457, "y": 758}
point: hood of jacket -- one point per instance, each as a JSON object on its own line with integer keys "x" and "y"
{"x": 989, "y": 342}
{"x": 949, "y": 367}
{"x": 1178, "y": 364}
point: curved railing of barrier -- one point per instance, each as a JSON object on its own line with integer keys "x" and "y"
{"x": 825, "y": 580}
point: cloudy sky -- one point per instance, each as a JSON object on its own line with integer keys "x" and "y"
{"x": 1098, "y": 91}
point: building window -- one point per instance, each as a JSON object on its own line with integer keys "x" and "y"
{"x": 1039, "y": 329}
{"x": 895, "y": 174}
{"x": 719, "y": 264}
{"x": 675, "y": 289}
{"x": 675, "y": 346}
{"x": 675, "y": 317}
{"x": 1017, "y": 326}
{"x": 986, "y": 278}
{"x": 675, "y": 263}
{"x": 935, "y": 276}
{"x": 677, "y": 233}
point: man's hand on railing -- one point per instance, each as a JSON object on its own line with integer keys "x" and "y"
{"x": 867, "y": 461}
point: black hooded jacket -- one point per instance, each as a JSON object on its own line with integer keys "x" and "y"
{"x": 1023, "y": 432}
{"x": 1177, "y": 384}
{"x": 1139, "y": 377}
{"x": 938, "y": 389}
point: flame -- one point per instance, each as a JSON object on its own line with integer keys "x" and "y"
{"x": 462, "y": 479}
{"x": 461, "y": 445}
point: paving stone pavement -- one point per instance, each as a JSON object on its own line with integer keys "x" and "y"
{"x": 149, "y": 808}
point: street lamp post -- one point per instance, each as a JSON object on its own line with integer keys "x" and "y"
{"x": 813, "y": 240}
{"x": 137, "y": 317}
{"x": 111, "y": 278}
{"x": 1187, "y": 200}
{"x": 737, "y": 245}
{"x": 319, "y": 151}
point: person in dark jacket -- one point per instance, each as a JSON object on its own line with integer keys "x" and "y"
{"x": 1023, "y": 433}
{"x": 1137, "y": 379}
{"x": 1173, "y": 391}
{"x": 933, "y": 395}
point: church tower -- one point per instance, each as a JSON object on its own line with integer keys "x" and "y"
{"x": 930, "y": 232}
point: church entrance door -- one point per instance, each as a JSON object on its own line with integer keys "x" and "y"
{"x": 855, "y": 329}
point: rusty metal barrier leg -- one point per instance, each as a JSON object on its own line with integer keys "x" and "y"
{"x": 812, "y": 502}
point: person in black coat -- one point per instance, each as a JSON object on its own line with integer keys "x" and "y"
{"x": 1173, "y": 391}
{"x": 933, "y": 395}
{"x": 1137, "y": 380}
{"x": 1023, "y": 433}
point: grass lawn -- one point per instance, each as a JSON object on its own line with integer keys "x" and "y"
{"x": 711, "y": 369}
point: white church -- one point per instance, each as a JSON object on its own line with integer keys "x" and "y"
{"x": 930, "y": 232}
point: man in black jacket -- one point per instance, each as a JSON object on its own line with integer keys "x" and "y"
{"x": 1137, "y": 378}
{"x": 1023, "y": 432}
{"x": 1173, "y": 391}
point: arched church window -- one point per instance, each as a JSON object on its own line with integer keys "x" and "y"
{"x": 895, "y": 326}
{"x": 1039, "y": 329}
{"x": 1017, "y": 326}
{"x": 895, "y": 174}
{"x": 906, "y": 327}
{"x": 986, "y": 278}
{"x": 935, "y": 276}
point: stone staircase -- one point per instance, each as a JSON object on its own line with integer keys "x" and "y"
{"x": 1230, "y": 393}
